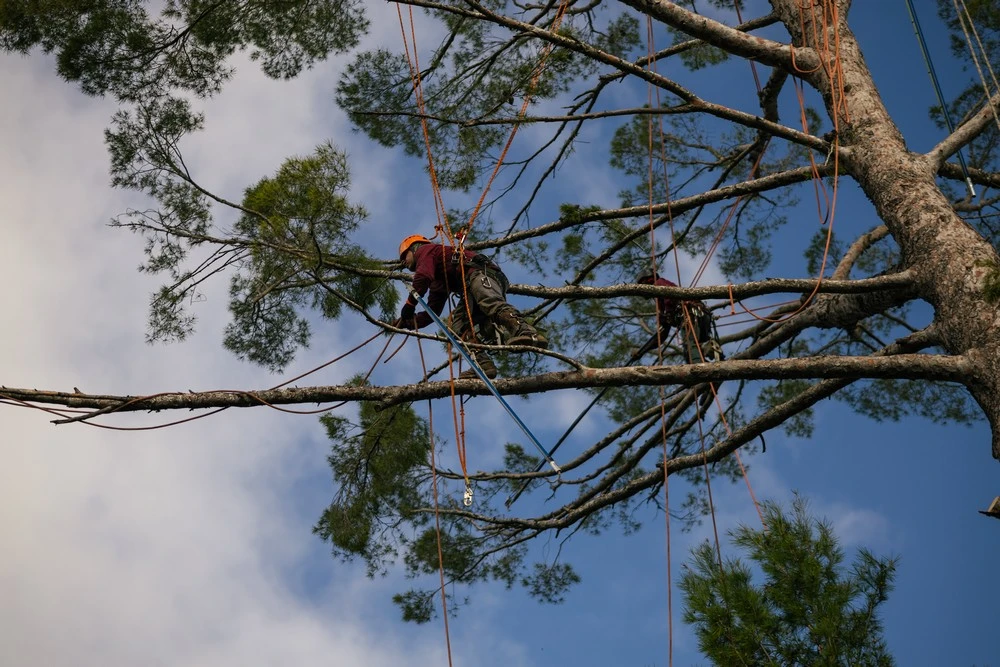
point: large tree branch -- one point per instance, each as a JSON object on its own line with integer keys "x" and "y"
{"x": 729, "y": 39}
{"x": 675, "y": 207}
{"x": 978, "y": 176}
{"x": 912, "y": 366}
{"x": 965, "y": 133}
{"x": 741, "y": 291}
{"x": 858, "y": 247}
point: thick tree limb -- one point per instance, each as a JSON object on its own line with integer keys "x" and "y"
{"x": 954, "y": 171}
{"x": 858, "y": 247}
{"x": 675, "y": 207}
{"x": 964, "y": 133}
{"x": 952, "y": 260}
{"x": 741, "y": 291}
{"x": 912, "y": 366}
{"x": 729, "y": 39}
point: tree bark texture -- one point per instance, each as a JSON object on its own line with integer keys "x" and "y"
{"x": 948, "y": 258}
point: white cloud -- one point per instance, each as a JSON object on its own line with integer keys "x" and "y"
{"x": 171, "y": 546}
{"x": 859, "y": 527}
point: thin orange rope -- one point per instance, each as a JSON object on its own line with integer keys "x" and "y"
{"x": 536, "y": 75}
{"x": 690, "y": 330}
{"x": 659, "y": 330}
{"x": 443, "y": 225}
{"x": 414, "y": 65}
{"x": 437, "y": 512}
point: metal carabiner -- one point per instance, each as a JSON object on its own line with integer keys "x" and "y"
{"x": 467, "y": 498}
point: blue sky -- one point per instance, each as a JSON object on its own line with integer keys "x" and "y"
{"x": 192, "y": 545}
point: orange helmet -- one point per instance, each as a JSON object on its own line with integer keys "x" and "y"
{"x": 409, "y": 241}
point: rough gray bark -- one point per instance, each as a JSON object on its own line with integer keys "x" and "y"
{"x": 950, "y": 260}
{"x": 910, "y": 366}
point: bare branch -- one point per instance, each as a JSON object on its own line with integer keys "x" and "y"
{"x": 912, "y": 366}
{"x": 741, "y": 291}
{"x": 729, "y": 39}
{"x": 675, "y": 207}
{"x": 964, "y": 133}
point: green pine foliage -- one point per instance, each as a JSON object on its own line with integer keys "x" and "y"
{"x": 136, "y": 53}
{"x": 379, "y": 465}
{"x": 297, "y": 228}
{"x": 292, "y": 246}
{"x": 793, "y": 602}
{"x": 480, "y": 73}
{"x": 381, "y": 514}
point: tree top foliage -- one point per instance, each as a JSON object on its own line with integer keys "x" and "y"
{"x": 794, "y": 603}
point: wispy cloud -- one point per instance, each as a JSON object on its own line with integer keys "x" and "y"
{"x": 180, "y": 546}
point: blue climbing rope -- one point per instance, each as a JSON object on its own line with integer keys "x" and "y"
{"x": 489, "y": 385}
{"x": 937, "y": 90}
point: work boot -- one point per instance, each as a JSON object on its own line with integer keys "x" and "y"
{"x": 485, "y": 363}
{"x": 519, "y": 332}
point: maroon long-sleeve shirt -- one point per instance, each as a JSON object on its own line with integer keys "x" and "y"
{"x": 667, "y": 307}
{"x": 436, "y": 275}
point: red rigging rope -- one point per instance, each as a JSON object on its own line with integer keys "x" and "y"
{"x": 414, "y": 65}
{"x": 457, "y": 240}
{"x": 835, "y": 75}
{"x": 442, "y": 227}
{"x": 659, "y": 331}
{"x": 437, "y": 512}
{"x": 689, "y": 325}
{"x": 457, "y": 243}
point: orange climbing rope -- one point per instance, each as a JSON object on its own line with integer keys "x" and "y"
{"x": 457, "y": 240}
{"x": 829, "y": 15}
{"x": 457, "y": 243}
{"x": 650, "y": 47}
{"x": 825, "y": 202}
{"x": 437, "y": 511}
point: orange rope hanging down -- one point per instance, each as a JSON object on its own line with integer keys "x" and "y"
{"x": 659, "y": 343}
{"x": 457, "y": 240}
{"x": 437, "y": 513}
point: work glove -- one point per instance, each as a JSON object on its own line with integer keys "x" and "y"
{"x": 407, "y": 317}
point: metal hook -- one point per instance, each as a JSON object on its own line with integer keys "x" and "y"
{"x": 467, "y": 498}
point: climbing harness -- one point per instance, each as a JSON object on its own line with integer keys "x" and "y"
{"x": 489, "y": 385}
{"x": 701, "y": 339}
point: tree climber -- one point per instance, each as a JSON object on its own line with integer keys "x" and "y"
{"x": 438, "y": 269}
{"x": 704, "y": 345}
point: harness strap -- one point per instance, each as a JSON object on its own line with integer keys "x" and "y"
{"x": 491, "y": 269}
